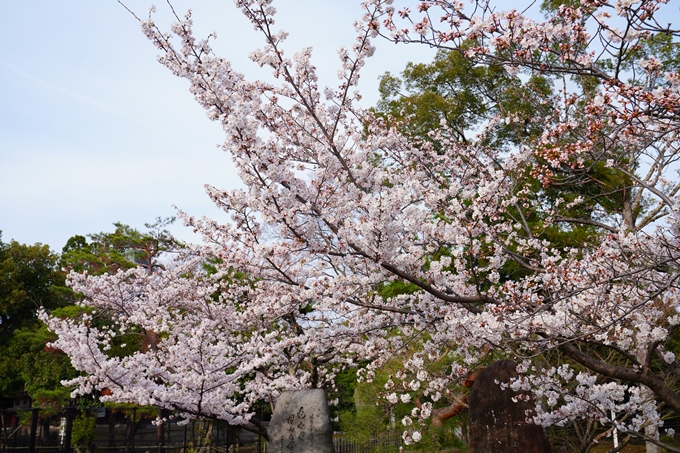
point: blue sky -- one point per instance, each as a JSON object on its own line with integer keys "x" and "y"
{"x": 93, "y": 130}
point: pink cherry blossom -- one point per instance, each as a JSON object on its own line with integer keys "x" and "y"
{"x": 338, "y": 203}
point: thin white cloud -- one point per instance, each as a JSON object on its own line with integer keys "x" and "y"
{"x": 77, "y": 96}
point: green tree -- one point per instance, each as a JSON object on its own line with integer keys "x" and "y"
{"x": 122, "y": 249}
{"x": 30, "y": 278}
{"x": 451, "y": 91}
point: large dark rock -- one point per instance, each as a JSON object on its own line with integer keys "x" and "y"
{"x": 301, "y": 424}
{"x": 496, "y": 422}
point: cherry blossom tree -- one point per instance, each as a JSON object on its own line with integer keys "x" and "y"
{"x": 340, "y": 204}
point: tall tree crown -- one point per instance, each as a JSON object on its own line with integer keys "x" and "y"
{"x": 533, "y": 209}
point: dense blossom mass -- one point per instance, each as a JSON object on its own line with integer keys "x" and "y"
{"x": 548, "y": 233}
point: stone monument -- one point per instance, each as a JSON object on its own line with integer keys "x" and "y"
{"x": 497, "y": 424}
{"x": 301, "y": 424}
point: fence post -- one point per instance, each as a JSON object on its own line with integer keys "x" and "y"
{"x": 184, "y": 449}
{"x": 34, "y": 429}
{"x": 68, "y": 429}
{"x": 134, "y": 427}
{"x": 3, "y": 438}
{"x": 15, "y": 428}
{"x": 111, "y": 428}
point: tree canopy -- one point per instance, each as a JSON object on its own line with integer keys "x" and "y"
{"x": 30, "y": 279}
{"x": 124, "y": 248}
{"x": 532, "y": 211}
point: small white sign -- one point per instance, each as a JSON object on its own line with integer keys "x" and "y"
{"x": 62, "y": 429}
